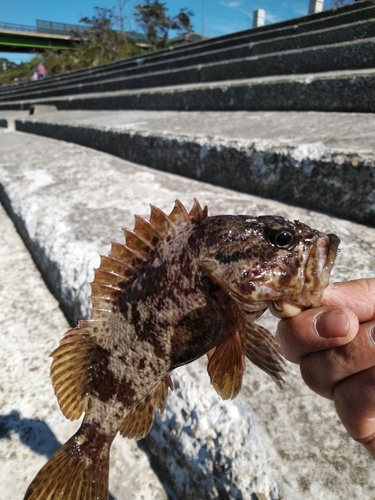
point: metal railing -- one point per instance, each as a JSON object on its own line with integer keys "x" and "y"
{"x": 17, "y": 27}
{"x": 48, "y": 27}
{"x": 54, "y": 28}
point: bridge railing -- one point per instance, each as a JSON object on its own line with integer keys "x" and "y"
{"x": 55, "y": 28}
{"x": 18, "y": 27}
{"x": 48, "y": 27}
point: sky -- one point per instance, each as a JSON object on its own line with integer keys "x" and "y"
{"x": 212, "y": 17}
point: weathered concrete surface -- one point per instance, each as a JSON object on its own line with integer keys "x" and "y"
{"x": 269, "y": 57}
{"x": 68, "y": 202}
{"x": 7, "y": 119}
{"x": 353, "y": 55}
{"x": 311, "y": 43}
{"x": 31, "y": 425}
{"x": 245, "y": 48}
{"x": 323, "y": 161}
{"x": 344, "y": 91}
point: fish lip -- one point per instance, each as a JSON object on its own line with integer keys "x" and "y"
{"x": 320, "y": 265}
{"x": 312, "y": 292}
{"x": 333, "y": 245}
{"x": 334, "y": 242}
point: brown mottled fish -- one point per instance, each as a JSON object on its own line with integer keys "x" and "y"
{"x": 183, "y": 286}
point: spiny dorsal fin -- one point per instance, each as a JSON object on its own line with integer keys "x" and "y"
{"x": 167, "y": 225}
{"x": 107, "y": 278}
{"x": 138, "y": 422}
{"x": 196, "y": 214}
{"x": 179, "y": 214}
{"x": 137, "y": 243}
{"x": 147, "y": 231}
{"x": 117, "y": 266}
{"x": 122, "y": 252}
{"x": 162, "y": 222}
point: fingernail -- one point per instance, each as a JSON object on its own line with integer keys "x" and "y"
{"x": 331, "y": 324}
{"x": 371, "y": 334}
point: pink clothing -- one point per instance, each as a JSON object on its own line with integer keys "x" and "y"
{"x": 41, "y": 70}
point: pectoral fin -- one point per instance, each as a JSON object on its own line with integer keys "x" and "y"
{"x": 226, "y": 366}
{"x": 71, "y": 367}
{"x": 138, "y": 422}
{"x": 262, "y": 349}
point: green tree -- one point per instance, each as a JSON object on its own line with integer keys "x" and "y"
{"x": 100, "y": 37}
{"x": 182, "y": 21}
{"x": 14, "y": 73}
{"x": 152, "y": 18}
{"x": 99, "y": 44}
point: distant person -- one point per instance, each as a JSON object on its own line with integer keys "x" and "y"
{"x": 34, "y": 77}
{"x": 41, "y": 71}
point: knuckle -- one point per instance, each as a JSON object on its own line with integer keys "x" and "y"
{"x": 316, "y": 378}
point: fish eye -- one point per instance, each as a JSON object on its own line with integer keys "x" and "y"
{"x": 281, "y": 237}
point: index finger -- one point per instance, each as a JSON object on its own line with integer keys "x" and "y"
{"x": 357, "y": 295}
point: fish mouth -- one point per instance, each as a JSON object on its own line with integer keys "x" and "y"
{"x": 318, "y": 269}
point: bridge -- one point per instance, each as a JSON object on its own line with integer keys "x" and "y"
{"x": 45, "y": 35}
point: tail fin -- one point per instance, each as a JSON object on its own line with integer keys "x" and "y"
{"x": 71, "y": 474}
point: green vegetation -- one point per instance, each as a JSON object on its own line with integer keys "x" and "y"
{"x": 11, "y": 72}
{"x": 153, "y": 19}
{"x": 101, "y": 43}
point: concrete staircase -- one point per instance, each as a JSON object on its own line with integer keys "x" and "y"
{"x": 67, "y": 203}
{"x": 71, "y": 178}
{"x": 323, "y": 62}
{"x": 173, "y": 110}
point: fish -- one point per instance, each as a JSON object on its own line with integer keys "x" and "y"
{"x": 183, "y": 286}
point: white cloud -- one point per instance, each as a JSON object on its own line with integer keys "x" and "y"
{"x": 234, "y": 4}
{"x": 237, "y": 5}
{"x": 271, "y": 18}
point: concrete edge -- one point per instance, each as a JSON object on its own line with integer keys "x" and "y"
{"x": 312, "y": 177}
{"x": 343, "y": 91}
{"x": 353, "y": 55}
{"x": 333, "y": 35}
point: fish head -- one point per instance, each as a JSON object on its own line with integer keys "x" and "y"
{"x": 268, "y": 259}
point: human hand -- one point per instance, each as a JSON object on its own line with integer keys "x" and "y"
{"x": 335, "y": 348}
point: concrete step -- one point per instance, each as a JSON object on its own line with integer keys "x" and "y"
{"x": 344, "y": 91}
{"x": 68, "y": 201}
{"x": 345, "y": 17}
{"x": 352, "y": 55}
{"x": 322, "y": 161}
{"x": 336, "y": 35}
